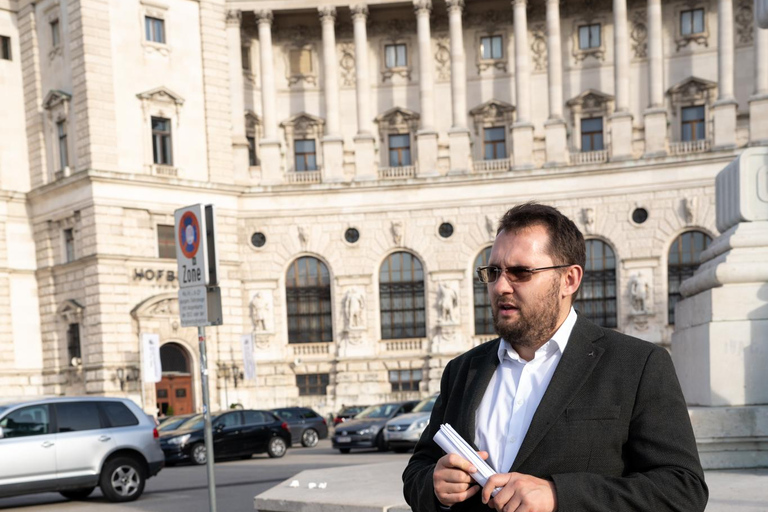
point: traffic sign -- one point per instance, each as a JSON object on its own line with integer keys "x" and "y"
{"x": 196, "y": 246}
{"x": 200, "y": 306}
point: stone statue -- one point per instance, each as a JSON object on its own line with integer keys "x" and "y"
{"x": 354, "y": 309}
{"x": 588, "y": 218}
{"x": 397, "y": 232}
{"x": 447, "y": 304}
{"x": 639, "y": 292}
{"x": 260, "y": 311}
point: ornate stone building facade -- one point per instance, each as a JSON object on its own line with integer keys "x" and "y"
{"x": 359, "y": 157}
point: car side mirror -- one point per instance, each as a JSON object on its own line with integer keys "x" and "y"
{"x": 218, "y": 427}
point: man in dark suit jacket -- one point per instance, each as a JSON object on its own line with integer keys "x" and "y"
{"x": 611, "y": 431}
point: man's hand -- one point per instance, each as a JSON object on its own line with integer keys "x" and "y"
{"x": 520, "y": 493}
{"x": 452, "y": 481}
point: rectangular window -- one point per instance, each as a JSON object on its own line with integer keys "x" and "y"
{"x": 305, "y": 156}
{"x": 494, "y": 143}
{"x": 61, "y": 131}
{"x": 77, "y": 416}
{"x": 155, "y": 29}
{"x": 405, "y": 380}
{"x": 396, "y": 55}
{"x": 73, "y": 342}
{"x": 399, "y": 150}
{"x": 252, "y": 160}
{"x": 55, "y": 34}
{"x": 161, "y": 141}
{"x": 312, "y": 384}
{"x": 5, "y": 47}
{"x": 118, "y": 415}
{"x": 589, "y": 36}
{"x": 491, "y": 47}
{"x": 693, "y": 123}
{"x": 245, "y": 55}
{"x": 69, "y": 244}
{"x": 592, "y": 134}
{"x": 166, "y": 243}
{"x": 300, "y": 61}
{"x": 29, "y": 421}
{"x": 692, "y": 22}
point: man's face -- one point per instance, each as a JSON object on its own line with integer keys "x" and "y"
{"x": 527, "y": 312}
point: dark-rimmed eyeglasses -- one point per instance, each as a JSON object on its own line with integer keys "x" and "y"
{"x": 490, "y": 273}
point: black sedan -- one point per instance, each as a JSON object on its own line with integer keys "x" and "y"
{"x": 235, "y": 434}
{"x": 307, "y": 427}
{"x": 365, "y": 430}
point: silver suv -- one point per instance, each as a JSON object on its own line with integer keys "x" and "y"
{"x": 73, "y": 444}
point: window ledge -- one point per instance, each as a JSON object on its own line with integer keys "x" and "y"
{"x": 690, "y": 146}
{"x": 403, "y": 71}
{"x": 153, "y": 47}
{"x": 484, "y": 64}
{"x": 497, "y": 165}
{"x": 589, "y": 157}
{"x": 405, "y": 345}
{"x": 398, "y": 172}
{"x": 311, "y": 349}
{"x": 164, "y": 170}
{"x": 303, "y": 177}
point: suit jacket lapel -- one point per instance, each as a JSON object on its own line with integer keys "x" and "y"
{"x": 575, "y": 366}
{"x": 481, "y": 369}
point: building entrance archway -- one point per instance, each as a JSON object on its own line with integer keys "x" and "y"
{"x": 174, "y": 391}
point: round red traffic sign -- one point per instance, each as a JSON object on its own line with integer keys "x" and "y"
{"x": 189, "y": 234}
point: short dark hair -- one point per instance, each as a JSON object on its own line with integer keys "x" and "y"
{"x": 566, "y": 243}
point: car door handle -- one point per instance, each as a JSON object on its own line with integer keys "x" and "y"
{"x": 104, "y": 438}
{"x": 47, "y": 444}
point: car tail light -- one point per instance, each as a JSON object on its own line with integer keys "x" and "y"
{"x": 285, "y": 426}
{"x": 154, "y": 433}
{"x": 325, "y": 422}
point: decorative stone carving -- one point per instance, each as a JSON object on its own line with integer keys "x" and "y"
{"x": 261, "y": 311}
{"x": 538, "y": 39}
{"x": 397, "y": 120}
{"x": 303, "y": 236}
{"x": 327, "y": 13}
{"x": 422, "y": 5}
{"x": 234, "y": 17}
{"x": 168, "y": 307}
{"x": 492, "y": 113}
{"x": 490, "y": 226}
{"x": 692, "y": 90}
{"x": 639, "y": 293}
{"x": 744, "y": 18}
{"x": 588, "y": 219}
{"x": 639, "y": 34}
{"x": 160, "y": 98}
{"x": 71, "y": 311}
{"x": 397, "y": 232}
{"x": 353, "y": 306}
{"x": 264, "y": 16}
{"x": 688, "y": 207}
{"x": 443, "y": 58}
{"x": 396, "y": 28}
{"x": 447, "y": 304}
{"x": 347, "y": 64}
{"x": 490, "y": 20}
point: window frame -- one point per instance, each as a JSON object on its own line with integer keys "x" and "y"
{"x": 495, "y": 143}
{"x": 306, "y": 155}
{"x": 74, "y": 342}
{"x": 68, "y": 235}
{"x": 165, "y": 242}
{"x": 590, "y": 32}
{"x": 692, "y": 23}
{"x": 396, "y": 46}
{"x": 62, "y": 138}
{"x": 317, "y": 388}
{"x": 316, "y": 304}
{"x": 607, "y": 280}
{"x": 483, "y": 314}
{"x": 6, "y": 51}
{"x": 592, "y": 134}
{"x": 159, "y": 137}
{"x": 413, "y": 291}
{"x": 151, "y": 34}
{"x": 693, "y": 123}
{"x": 491, "y": 39}
{"x": 409, "y": 384}
{"x": 55, "y": 32}
{"x": 401, "y": 151}
{"x": 682, "y": 271}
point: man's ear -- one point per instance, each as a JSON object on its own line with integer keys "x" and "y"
{"x": 571, "y": 280}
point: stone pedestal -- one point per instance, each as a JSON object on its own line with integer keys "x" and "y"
{"x": 460, "y": 151}
{"x": 720, "y": 343}
{"x": 556, "y": 139}
{"x": 365, "y": 163}
{"x": 655, "y": 132}
{"x": 271, "y": 163}
{"x": 522, "y": 145}
{"x": 621, "y": 136}
{"x": 724, "y": 114}
{"x": 333, "y": 159}
{"x": 426, "y": 145}
{"x": 758, "y": 120}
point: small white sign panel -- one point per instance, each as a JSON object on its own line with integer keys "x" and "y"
{"x": 193, "y": 307}
{"x": 151, "y": 368}
{"x": 248, "y": 362}
{"x": 191, "y": 246}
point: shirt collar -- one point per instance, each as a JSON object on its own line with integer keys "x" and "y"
{"x": 560, "y": 339}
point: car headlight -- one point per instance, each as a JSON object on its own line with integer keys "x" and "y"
{"x": 367, "y": 431}
{"x": 419, "y": 425}
{"x": 180, "y": 439}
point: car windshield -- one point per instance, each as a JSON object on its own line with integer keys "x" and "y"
{"x": 3, "y": 409}
{"x": 173, "y": 423}
{"x": 378, "y": 411}
{"x": 425, "y": 405}
{"x": 194, "y": 423}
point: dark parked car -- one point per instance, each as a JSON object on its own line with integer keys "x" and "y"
{"x": 306, "y": 425}
{"x": 347, "y": 413}
{"x": 366, "y": 430}
{"x": 173, "y": 422}
{"x": 235, "y": 434}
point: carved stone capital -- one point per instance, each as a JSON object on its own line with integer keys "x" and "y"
{"x": 454, "y": 6}
{"x": 359, "y": 11}
{"x": 422, "y": 7}
{"x": 327, "y": 14}
{"x": 264, "y": 16}
{"x": 524, "y": 3}
{"x": 234, "y": 17}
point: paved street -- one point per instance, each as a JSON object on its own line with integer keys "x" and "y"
{"x": 183, "y": 488}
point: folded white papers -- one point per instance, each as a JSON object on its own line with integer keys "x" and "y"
{"x": 450, "y": 441}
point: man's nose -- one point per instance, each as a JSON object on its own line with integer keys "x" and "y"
{"x": 501, "y": 285}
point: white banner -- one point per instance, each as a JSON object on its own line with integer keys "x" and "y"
{"x": 151, "y": 368}
{"x": 248, "y": 362}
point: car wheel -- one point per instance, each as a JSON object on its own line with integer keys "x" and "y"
{"x": 199, "y": 454}
{"x": 276, "y": 447}
{"x": 122, "y": 479}
{"x": 381, "y": 444}
{"x": 309, "y": 438}
{"x": 344, "y": 450}
{"x": 77, "y": 494}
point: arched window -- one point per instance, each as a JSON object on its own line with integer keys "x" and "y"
{"x": 483, "y": 315}
{"x": 682, "y": 262}
{"x": 308, "y": 298}
{"x": 401, "y": 295}
{"x": 597, "y": 295}
{"x": 173, "y": 358}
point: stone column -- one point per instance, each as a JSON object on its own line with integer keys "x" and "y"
{"x": 724, "y": 109}
{"x": 720, "y": 342}
{"x": 522, "y": 130}
{"x": 621, "y": 120}
{"x": 237, "y": 99}
{"x": 555, "y": 128}
{"x": 758, "y": 103}
{"x": 365, "y": 165}
{"x": 656, "y": 113}
{"x": 271, "y": 161}
{"x": 426, "y": 138}
{"x": 333, "y": 144}
{"x": 458, "y": 134}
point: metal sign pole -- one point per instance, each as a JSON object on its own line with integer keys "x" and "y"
{"x": 207, "y": 416}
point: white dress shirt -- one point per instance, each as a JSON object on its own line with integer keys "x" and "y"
{"x": 514, "y": 394}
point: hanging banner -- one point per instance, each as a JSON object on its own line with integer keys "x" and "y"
{"x": 151, "y": 367}
{"x": 248, "y": 362}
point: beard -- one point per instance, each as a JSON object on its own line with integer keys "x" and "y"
{"x": 535, "y": 324}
